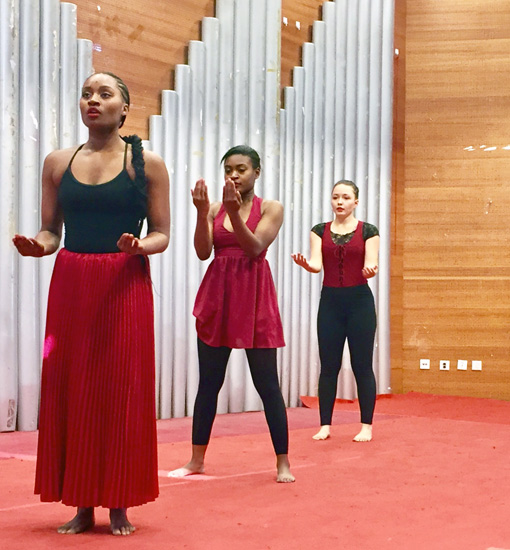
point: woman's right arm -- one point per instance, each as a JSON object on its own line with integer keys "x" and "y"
{"x": 47, "y": 240}
{"x": 203, "y": 240}
{"x": 314, "y": 264}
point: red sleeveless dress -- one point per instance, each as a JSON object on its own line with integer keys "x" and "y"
{"x": 236, "y": 304}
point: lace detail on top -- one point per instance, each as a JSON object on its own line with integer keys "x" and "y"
{"x": 369, "y": 231}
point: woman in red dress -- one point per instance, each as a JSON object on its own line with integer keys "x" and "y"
{"x": 97, "y": 425}
{"x": 236, "y": 305}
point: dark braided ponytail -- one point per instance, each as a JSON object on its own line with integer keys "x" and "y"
{"x": 138, "y": 162}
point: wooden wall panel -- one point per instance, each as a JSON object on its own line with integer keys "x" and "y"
{"x": 141, "y": 42}
{"x": 298, "y": 17}
{"x": 397, "y": 198}
{"x": 456, "y": 267}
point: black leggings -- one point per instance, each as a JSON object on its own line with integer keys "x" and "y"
{"x": 346, "y": 313}
{"x": 213, "y": 366}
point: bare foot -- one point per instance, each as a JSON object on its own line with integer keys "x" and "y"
{"x": 119, "y": 523}
{"x": 82, "y": 521}
{"x": 322, "y": 434}
{"x": 283, "y": 470}
{"x": 365, "y": 433}
{"x": 192, "y": 467}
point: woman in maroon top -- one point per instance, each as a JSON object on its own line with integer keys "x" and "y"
{"x": 236, "y": 305}
{"x": 348, "y": 250}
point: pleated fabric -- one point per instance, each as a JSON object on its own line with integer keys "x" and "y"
{"x": 97, "y": 426}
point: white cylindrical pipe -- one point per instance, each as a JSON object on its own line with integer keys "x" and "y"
{"x": 157, "y": 145}
{"x": 29, "y": 350}
{"x": 83, "y": 71}
{"x": 68, "y": 75}
{"x": 9, "y": 113}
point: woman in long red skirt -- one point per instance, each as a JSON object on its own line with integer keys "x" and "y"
{"x": 236, "y": 305}
{"x": 97, "y": 428}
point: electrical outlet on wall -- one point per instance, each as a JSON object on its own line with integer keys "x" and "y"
{"x": 462, "y": 364}
{"x": 444, "y": 365}
{"x": 424, "y": 364}
{"x": 476, "y": 365}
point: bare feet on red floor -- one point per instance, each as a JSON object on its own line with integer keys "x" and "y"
{"x": 365, "y": 434}
{"x": 119, "y": 523}
{"x": 191, "y": 468}
{"x": 283, "y": 474}
{"x": 82, "y": 521}
{"x": 322, "y": 434}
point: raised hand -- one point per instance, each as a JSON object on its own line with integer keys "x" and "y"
{"x": 129, "y": 244}
{"x": 300, "y": 260}
{"x": 369, "y": 271}
{"x": 201, "y": 197}
{"x": 231, "y": 197}
{"x": 28, "y": 247}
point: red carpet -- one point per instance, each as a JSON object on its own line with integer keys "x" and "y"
{"x": 436, "y": 477}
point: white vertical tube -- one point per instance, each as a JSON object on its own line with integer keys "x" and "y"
{"x": 297, "y": 186}
{"x": 351, "y": 87}
{"x": 28, "y": 215}
{"x": 384, "y": 373}
{"x": 172, "y": 384}
{"x": 225, "y": 13}
{"x": 196, "y": 170}
{"x": 340, "y": 69}
{"x": 84, "y": 70}
{"x": 9, "y": 75}
{"x": 48, "y": 120}
{"x": 68, "y": 75}
{"x": 185, "y": 350}
{"x": 211, "y": 169}
{"x": 363, "y": 96}
{"x": 157, "y": 145}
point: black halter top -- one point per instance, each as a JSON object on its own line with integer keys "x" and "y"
{"x": 95, "y": 216}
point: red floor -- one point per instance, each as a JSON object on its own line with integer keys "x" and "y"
{"x": 436, "y": 477}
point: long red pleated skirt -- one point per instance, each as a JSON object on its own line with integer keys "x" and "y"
{"x": 97, "y": 425}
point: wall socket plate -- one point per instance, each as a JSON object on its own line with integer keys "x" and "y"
{"x": 476, "y": 365}
{"x": 444, "y": 365}
{"x": 424, "y": 364}
{"x": 462, "y": 364}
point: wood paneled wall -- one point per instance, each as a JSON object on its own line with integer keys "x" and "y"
{"x": 142, "y": 42}
{"x": 397, "y": 198}
{"x": 456, "y": 300}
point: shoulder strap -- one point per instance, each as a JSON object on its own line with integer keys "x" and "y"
{"x": 72, "y": 158}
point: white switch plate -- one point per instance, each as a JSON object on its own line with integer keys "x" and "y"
{"x": 424, "y": 364}
{"x": 462, "y": 364}
{"x": 444, "y": 365}
{"x": 476, "y": 365}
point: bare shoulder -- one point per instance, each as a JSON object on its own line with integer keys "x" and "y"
{"x": 60, "y": 156}
{"x": 155, "y": 166}
{"x": 56, "y": 163}
{"x": 271, "y": 207}
{"x": 152, "y": 159}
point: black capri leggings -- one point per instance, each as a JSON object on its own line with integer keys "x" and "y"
{"x": 213, "y": 366}
{"x": 346, "y": 313}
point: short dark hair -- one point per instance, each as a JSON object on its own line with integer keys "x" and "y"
{"x": 245, "y": 150}
{"x": 350, "y": 184}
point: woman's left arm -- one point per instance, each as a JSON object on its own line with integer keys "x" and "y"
{"x": 266, "y": 232}
{"x": 371, "y": 257}
{"x": 158, "y": 211}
